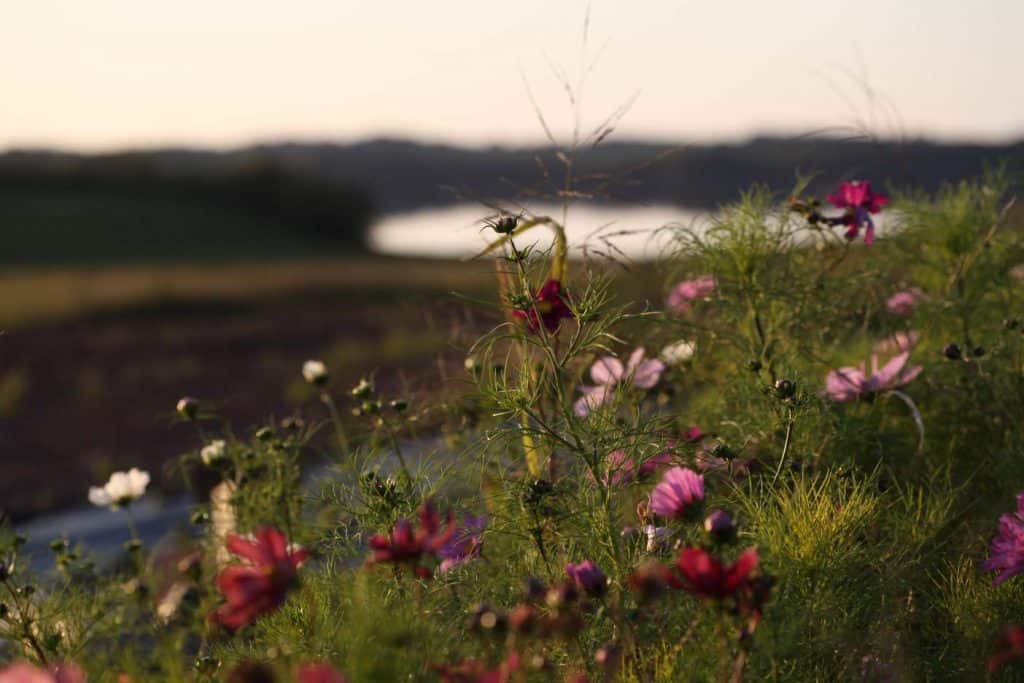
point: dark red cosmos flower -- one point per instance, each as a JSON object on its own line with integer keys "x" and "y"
{"x": 859, "y": 203}
{"x": 407, "y": 547}
{"x": 319, "y": 673}
{"x": 706, "y": 576}
{"x": 261, "y": 585}
{"x": 474, "y": 671}
{"x": 549, "y": 305}
{"x": 1011, "y": 647}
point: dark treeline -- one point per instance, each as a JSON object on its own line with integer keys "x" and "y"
{"x": 315, "y": 208}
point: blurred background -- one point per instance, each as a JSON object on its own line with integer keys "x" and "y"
{"x": 196, "y": 197}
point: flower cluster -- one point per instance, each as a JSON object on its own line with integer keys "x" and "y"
{"x": 608, "y": 372}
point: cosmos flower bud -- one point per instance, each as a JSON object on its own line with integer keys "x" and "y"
{"x": 979, "y": 351}
{"x": 398, "y": 405}
{"x": 503, "y": 225}
{"x": 719, "y": 525}
{"x": 363, "y": 389}
{"x": 207, "y": 664}
{"x": 1011, "y": 323}
{"x": 588, "y": 576}
{"x": 952, "y": 351}
{"x": 315, "y": 372}
{"x": 754, "y": 365}
{"x": 265, "y": 434}
{"x": 187, "y": 407}
{"x": 785, "y": 388}
{"x": 213, "y": 452}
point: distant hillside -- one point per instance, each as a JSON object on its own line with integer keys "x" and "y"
{"x": 310, "y": 197}
{"x": 402, "y": 175}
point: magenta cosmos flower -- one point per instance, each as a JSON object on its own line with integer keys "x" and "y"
{"x": 1007, "y": 553}
{"x": 549, "y": 308}
{"x": 609, "y": 371}
{"x": 680, "y": 490}
{"x": 682, "y": 295}
{"x": 465, "y": 545}
{"x": 849, "y": 384}
{"x": 859, "y": 203}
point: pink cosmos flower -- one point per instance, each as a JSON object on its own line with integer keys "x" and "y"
{"x": 261, "y": 585}
{"x": 23, "y": 672}
{"x": 609, "y": 371}
{"x": 849, "y": 384}
{"x": 548, "y": 309}
{"x": 465, "y": 545}
{"x": 859, "y": 203}
{"x": 903, "y": 303}
{"x": 319, "y": 673}
{"x": 622, "y": 469}
{"x": 679, "y": 490}
{"x": 897, "y": 342}
{"x": 683, "y": 294}
{"x": 1007, "y": 551}
{"x": 587, "y": 576}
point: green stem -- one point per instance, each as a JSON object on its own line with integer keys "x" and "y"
{"x": 785, "y": 445}
{"x": 339, "y": 428}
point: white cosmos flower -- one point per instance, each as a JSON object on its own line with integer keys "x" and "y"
{"x": 213, "y": 452}
{"x": 678, "y": 353}
{"x": 122, "y": 489}
{"x": 315, "y": 372}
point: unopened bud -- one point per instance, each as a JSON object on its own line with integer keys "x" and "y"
{"x": 188, "y": 408}
{"x": 207, "y": 664}
{"x": 315, "y": 372}
{"x": 363, "y": 389}
{"x": 952, "y": 351}
{"x": 719, "y": 525}
{"x": 785, "y": 388}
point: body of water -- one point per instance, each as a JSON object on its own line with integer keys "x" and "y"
{"x": 457, "y": 231}
{"x": 631, "y": 231}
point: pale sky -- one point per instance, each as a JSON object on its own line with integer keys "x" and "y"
{"x": 105, "y": 74}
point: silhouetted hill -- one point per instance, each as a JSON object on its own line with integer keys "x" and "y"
{"x": 400, "y": 175}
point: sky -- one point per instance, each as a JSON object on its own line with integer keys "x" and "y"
{"x": 109, "y": 74}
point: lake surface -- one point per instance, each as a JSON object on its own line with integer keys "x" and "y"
{"x": 456, "y": 231}
{"x": 633, "y": 231}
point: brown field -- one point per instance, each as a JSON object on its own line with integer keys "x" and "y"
{"x": 92, "y": 360}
